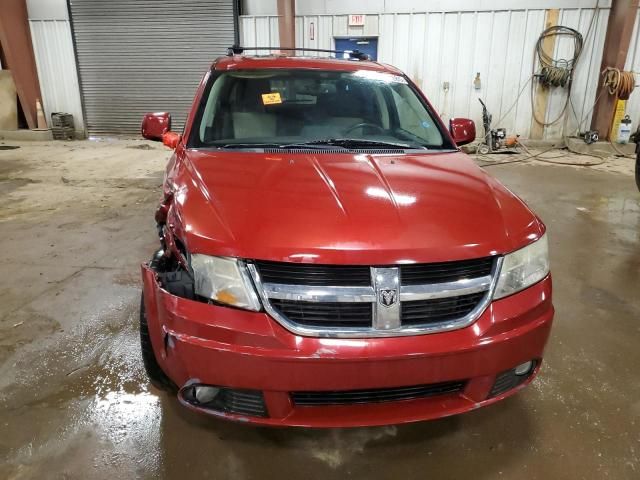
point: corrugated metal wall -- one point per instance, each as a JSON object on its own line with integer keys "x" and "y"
{"x": 137, "y": 56}
{"x": 447, "y": 46}
{"x": 53, "y": 49}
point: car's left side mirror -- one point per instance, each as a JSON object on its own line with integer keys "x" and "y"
{"x": 155, "y": 125}
{"x": 171, "y": 140}
{"x": 463, "y": 130}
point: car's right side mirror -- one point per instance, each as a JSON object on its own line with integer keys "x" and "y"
{"x": 155, "y": 125}
{"x": 463, "y": 130}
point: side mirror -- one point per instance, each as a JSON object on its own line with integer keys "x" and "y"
{"x": 155, "y": 125}
{"x": 171, "y": 140}
{"x": 462, "y": 130}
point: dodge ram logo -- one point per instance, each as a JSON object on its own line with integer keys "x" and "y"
{"x": 388, "y": 297}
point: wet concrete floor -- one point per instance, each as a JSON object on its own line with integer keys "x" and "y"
{"x": 76, "y": 221}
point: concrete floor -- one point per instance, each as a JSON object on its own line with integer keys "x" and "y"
{"x": 77, "y": 219}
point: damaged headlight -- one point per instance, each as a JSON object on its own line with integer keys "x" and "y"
{"x": 523, "y": 268}
{"x": 224, "y": 280}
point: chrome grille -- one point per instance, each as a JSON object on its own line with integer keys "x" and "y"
{"x": 360, "y": 301}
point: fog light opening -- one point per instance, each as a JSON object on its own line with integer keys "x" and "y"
{"x": 524, "y": 368}
{"x": 224, "y": 399}
{"x": 205, "y": 393}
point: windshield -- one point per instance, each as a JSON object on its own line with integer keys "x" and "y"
{"x": 310, "y": 107}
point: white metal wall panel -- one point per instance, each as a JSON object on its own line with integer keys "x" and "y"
{"x": 523, "y": 108}
{"x": 499, "y": 45}
{"x": 452, "y": 46}
{"x": 259, "y": 31}
{"x": 56, "y": 64}
{"x": 344, "y": 7}
{"x": 136, "y": 56}
{"x": 586, "y": 75}
{"x": 262, "y": 30}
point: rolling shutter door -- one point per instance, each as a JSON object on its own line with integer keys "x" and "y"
{"x": 138, "y": 56}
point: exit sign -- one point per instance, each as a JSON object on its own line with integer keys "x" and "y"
{"x": 356, "y": 20}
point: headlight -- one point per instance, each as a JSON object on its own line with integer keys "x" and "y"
{"x": 523, "y": 268}
{"x": 224, "y": 280}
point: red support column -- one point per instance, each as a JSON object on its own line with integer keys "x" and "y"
{"x": 616, "y": 45}
{"x": 287, "y": 24}
{"x": 15, "y": 38}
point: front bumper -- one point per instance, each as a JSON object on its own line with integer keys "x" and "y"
{"x": 199, "y": 343}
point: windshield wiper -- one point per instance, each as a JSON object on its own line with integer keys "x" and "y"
{"x": 276, "y": 145}
{"x": 327, "y": 143}
{"x": 247, "y": 145}
{"x": 362, "y": 143}
{"x": 310, "y": 145}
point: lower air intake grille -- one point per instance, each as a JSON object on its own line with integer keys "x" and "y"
{"x": 247, "y": 402}
{"x": 325, "y": 314}
{"x": 508, "y": 380}
{"x": 377, "y": 395}
{"x": 230, "y": 400}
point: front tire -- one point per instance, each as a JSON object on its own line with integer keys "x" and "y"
{"x": 156, "y": 376}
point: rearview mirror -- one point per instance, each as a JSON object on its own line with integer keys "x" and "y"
{"x": 462, "y": 130}
{"x": 155, "y": 125}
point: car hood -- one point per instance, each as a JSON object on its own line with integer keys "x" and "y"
{"x": 346, "y": 208}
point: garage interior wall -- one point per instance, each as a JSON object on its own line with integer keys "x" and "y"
{"x": 55, "y": 60}
{"x": 453, "y": 41}
{"x": 138, "y": 56}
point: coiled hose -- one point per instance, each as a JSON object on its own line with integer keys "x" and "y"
{"x": 557, "y": 72}
{"x": 555, "y": 76}
{"x": 619, "y": 83}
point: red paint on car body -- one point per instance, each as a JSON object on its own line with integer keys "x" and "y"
{"x": 347, "y": 208}
{"x": 353, "y": 209}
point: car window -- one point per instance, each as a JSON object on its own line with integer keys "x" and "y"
{"x": 412, "y": 116}
{"x": 302, "y": 106}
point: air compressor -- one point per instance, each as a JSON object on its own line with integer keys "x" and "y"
{"x": 494, "y": 138}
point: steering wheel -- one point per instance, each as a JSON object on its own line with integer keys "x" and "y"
{"x": 363, "y": 125}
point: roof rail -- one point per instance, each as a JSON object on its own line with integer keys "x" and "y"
{"x": 353, "y": 54}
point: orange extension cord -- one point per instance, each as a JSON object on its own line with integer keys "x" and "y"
{"x": 619, "y": 83}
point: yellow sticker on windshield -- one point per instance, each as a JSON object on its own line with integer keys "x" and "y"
{"x": 271, "y": 98}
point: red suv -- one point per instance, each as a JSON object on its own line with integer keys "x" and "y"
{"x": 329, "y": 257}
